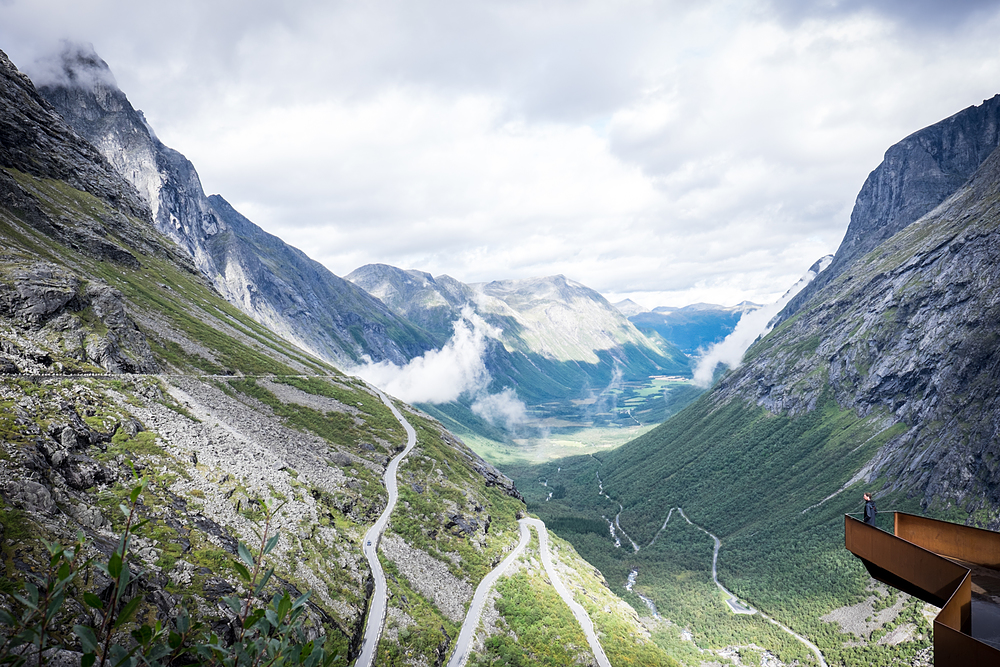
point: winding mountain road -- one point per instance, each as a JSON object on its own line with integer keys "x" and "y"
{"x": 471, "y": 623}
{"x": 734, "y": 603}
{"x": 369, "y": 545}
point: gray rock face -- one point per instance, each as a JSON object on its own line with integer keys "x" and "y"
{"x": 304, "y": 302}
{"x": 35, "y": 140}
{"x": 41, "y": 150}
{"x": 274, "y": 283}
{"x": 916, "y": 175}
{"x": 31, "y": 496}
{"x": 49, "y": 301}
{"x": 912, "y": 330}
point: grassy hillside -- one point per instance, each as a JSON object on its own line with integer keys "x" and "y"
{"x": 752, "y": 478}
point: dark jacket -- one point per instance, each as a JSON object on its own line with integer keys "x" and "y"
{"x": 870, "y": 512}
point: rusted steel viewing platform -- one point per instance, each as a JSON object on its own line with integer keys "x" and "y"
{"x": 956, "y": 568}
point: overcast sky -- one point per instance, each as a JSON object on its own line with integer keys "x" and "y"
{"x": 671, "y": 152}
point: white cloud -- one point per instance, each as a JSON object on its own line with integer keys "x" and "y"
{"x": 729, "y": 351}
{"x": 445, "y": 375}
{"x": 439, "y": 376}
{"x": 664, "y": 151}
{"x": 502, "y": 409}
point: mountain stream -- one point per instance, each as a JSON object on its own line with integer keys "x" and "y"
{"x": 732, "y": 601}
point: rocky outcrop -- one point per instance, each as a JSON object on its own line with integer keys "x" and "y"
{"x": 85, "y": 320}
{"x": 916, "y": 175}
{"x": 274, "y": 283}
{"x": 911, "y": 330}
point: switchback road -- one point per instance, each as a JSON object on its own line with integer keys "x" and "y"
{"x": 471, "y": 622}
{"x": 369, "y": 545}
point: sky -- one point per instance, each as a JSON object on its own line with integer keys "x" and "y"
{"x": 670, "y": 152}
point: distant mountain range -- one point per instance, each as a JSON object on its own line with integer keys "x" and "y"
{"x": 690, "y": 328}
{"x": 559, "y": 341}
{"x": 547, "y": 320}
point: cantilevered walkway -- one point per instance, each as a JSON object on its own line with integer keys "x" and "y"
{"x": 956, "y": 568}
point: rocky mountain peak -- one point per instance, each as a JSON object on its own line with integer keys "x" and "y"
{"x": 915, "y": 176}
{"x": 35, "y": 140}
{"x": 80, "y": 85}
{"x": 628, "y": 307}
{"x": 272, "y": 282}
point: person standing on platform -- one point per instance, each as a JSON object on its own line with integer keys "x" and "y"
{"x": 870, "y": 510}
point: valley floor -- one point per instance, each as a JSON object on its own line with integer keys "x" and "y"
{"x": 781, "y": 552}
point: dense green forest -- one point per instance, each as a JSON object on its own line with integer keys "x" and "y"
{"x": 773, "y": 488}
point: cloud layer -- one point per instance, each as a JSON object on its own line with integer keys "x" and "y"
{"x": 458, "y": 369}
{"x": 752, "y": 325}
{"x": 671, "y": 152}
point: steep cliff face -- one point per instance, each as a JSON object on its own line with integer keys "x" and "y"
{"x": 36, "y": 141}
{"x": 916, "y": 175}
{"x": 912, "y": 328}
{"x": 272, "y": 282}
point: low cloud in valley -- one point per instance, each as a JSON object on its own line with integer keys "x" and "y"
{"x": 752, "y": 325}
{"x": 457, "y": 369}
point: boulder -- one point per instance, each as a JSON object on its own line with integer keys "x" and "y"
{"x": 31, "y": 496}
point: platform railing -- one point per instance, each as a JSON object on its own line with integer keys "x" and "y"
{"x": 910, "y": 562}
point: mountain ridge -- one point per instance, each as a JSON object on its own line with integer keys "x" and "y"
{"x": 916, "y": 174}
{"x": 324, "y": 313}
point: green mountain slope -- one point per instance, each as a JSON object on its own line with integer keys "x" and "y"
{"x": 118, "y": 360}
{"x": 886, "y": 379}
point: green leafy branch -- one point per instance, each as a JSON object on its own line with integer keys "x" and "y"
{"x": 269, "y": 636}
